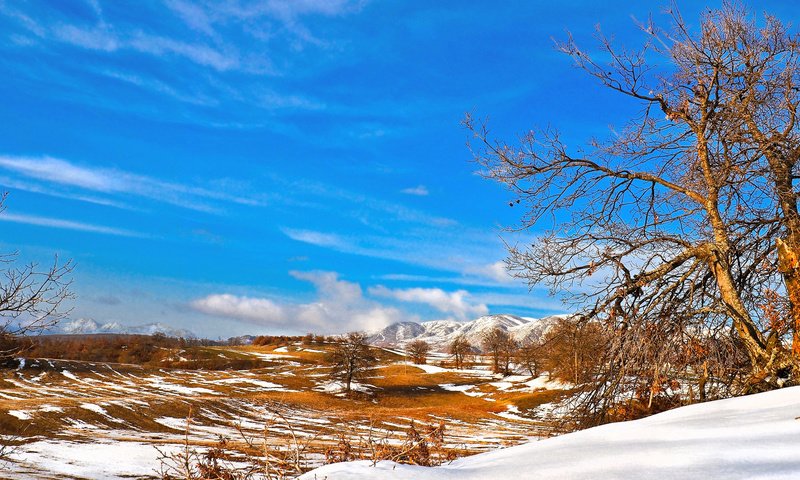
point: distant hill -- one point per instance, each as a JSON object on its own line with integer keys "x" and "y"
{"x": 440, "y": 333}
{"x": 83, "y": 326}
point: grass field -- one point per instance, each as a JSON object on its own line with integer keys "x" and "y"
{"x": 55, "y": 411}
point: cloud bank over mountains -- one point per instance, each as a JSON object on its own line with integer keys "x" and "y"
{"x": 340, "y": 306}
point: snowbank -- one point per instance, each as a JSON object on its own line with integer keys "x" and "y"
{"x": 742, "y": 438}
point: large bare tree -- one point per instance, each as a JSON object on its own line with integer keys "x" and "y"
{"x": 684, "y": 223}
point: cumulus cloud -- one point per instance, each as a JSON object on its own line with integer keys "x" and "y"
{"x": 339, "y": 306}
{"x": 454, "y": 303}
{"x": 259, "y": 310}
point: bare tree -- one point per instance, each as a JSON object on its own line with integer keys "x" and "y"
{"x": 418, "y": 350}
{"x": 459, "y": 348}
{"x": 31, "y": 299}
{"x": 530, "y": 356}
{"x": 499, "y": 345}
{"x": 681, "y": 221}
{"x": 573, "y": 350}
{"x": 351, "y": 358}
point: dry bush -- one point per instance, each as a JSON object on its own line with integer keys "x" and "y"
{"x": 271, "y": 457}
{"x": 421, "y": 446}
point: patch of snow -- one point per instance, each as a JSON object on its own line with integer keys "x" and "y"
{"x": 91, "y": 461}
{"x": 160, "y": 384}
{"x": 253, "y": 381}
{"x": 430, "y": 368}
{"x": 544, "y": 382}
{"x": 50, "y": 408}
{"x": 513, "y": 413}
{"x": 94, "y": 408}
{"x": 20, "y": 414}
{"x": 752, "y": 437}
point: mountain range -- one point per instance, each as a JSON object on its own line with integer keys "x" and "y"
{"x": 440, "y": 333}
{"x": 84, "y": 326}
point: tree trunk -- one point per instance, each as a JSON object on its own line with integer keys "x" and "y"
{"x": 789, "y": 266}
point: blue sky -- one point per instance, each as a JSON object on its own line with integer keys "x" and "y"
{"x": 285, "y": 166}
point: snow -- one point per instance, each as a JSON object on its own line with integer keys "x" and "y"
{"x": 430, "y": 368}
{"x": 339, "y": 387}
{"x": 465, "y": 389}
{"x": 440, "y": 334}
{"x": 94, "y": 408}
{"x": 260, "y": 383}
{"x": 95, "y": 461}
{"x": 544, "y": 382}
{"x": 753, "y": 437}
{"x": 160, "y": 384}
{"x": 50, "y": 408}
{"x": 20, "y": 414}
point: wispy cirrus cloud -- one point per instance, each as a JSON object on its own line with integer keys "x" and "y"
{"x": 419, "y": 191}
{"x": 460, "y": 251}
{"x": 374, "y": 207}
{"x": 68, "y": 225}
{"x": 113, "y": 181}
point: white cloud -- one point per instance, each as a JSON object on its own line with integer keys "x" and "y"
{"x": 339, "y": 307}
{"x": 455, "y": 303}
{"x": 419, "y": 190}
{"x": 95, "y": 38}
{"x": 259, "y": 310}
{"x": 67, "y": 225}
{"x": 495, "y": 271}
{"x": 461, "y": 251}
{"x": 320, "y": 239}
{"x": 113, "y": 181}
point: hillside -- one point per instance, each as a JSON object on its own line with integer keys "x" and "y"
{"x": 741, "y": 438}
{"x": 101, "y": 421}
{"x": 440, "y": 333}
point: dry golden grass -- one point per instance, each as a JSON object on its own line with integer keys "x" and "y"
{"x": 398, "y": 392}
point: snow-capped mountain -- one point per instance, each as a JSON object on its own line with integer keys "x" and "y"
{"x": 88, "y": 326}
{"x": 440, "y": 333}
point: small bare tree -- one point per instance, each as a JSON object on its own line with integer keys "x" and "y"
{"x": 351, "y": 358}
{"x": 459, "y": 348}
{"x": 31, "y": 300}
{"x": 418, "y": 351}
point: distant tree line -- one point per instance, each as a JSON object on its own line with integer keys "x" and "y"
{"x": 156, "y": 350}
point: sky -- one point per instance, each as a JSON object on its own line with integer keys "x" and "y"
{"x": 278, "y": 167}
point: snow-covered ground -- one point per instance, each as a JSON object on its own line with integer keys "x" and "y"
{"x": 88, "y": 420}
{"x": 753, "y": 437}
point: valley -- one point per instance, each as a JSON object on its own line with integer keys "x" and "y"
{"x": 94, "y": 420}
